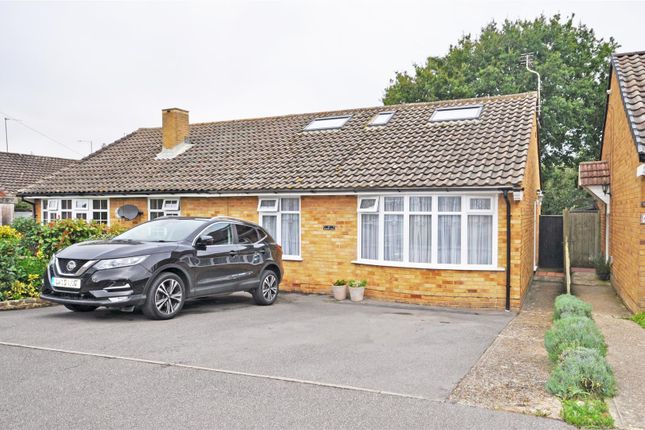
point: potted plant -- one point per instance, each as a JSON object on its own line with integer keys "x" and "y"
{"x": 339, "y": 288}
{"x": 357, "y": 290}
{"x": 603, "y": 268}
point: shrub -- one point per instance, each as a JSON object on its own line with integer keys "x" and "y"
{"x": 7, "y": 232}
{"x": 581, "y": 372}
{"x": 31, "y": 233}
{"x": 567, "y": 305}
{"x": 340, "y": 282}
{"x": 603, "y": 267}
{"x": 571, "y": 333}
{"x": 639, "y": 319}
{"x": 21, "y": 290}
{"x": 588, "y": 413}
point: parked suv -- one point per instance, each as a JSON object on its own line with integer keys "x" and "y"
{"x": 159, "y": 264}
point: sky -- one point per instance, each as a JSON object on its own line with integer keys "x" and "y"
{"x": 76, "y": 72}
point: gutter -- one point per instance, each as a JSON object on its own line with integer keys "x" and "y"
{"x": 33, "y": 207}
{"x": 508, "y": 251}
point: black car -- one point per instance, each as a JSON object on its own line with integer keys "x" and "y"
{"x": 159, "y": 264}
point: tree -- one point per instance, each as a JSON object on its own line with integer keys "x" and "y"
{"x": 573, "y": 63}
{"x": 561, "y": 191}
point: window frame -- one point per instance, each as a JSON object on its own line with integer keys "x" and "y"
{"x": 373, "y": 123}
{"x": 278, "y": 214}
{"x": 162, "y": 211}
{"x": 87, "y": 214}
{"x": 479, "y": 108}
{"x": 434, "y": 213}
{"x": 310, "y": 125}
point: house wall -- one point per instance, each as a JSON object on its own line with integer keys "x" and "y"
{"x": 626, "y": 234}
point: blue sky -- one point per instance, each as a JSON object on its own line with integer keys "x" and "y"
{"x": 96, "y": 71}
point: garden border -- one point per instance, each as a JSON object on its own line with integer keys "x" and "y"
{"x": 28, "y": 303}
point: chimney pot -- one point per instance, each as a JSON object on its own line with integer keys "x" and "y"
{"x": 175, "y": 127}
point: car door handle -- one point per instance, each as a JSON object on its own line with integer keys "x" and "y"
{"x": 232, "y": 253}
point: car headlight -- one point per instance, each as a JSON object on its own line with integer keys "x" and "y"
{"x": 52, "y": 260}
{"x": 119, "y": 262}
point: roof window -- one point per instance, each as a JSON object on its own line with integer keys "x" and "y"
{"x": 327, "y": 123}
{"x": 381, "y": 118}
{"x": 456, "y": 113}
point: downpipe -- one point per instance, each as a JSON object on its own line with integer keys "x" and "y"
{"x": 508, "y": 251}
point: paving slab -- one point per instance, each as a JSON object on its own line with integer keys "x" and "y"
{"x": 626, "y": 353}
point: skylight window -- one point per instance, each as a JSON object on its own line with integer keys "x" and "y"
{"x": 456, "y": 113}
{"x": 381, "y": 118}
{"x": 327, "y": 123}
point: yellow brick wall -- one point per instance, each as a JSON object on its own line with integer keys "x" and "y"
{"x": 626, "y": 234}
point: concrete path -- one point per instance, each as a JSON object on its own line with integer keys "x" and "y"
{"x": 626, "y": 341}
{"x": 306, "y": 362}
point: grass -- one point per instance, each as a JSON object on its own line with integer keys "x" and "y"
{"x": 639, "y": 319}
{"x": 588, "y": 413}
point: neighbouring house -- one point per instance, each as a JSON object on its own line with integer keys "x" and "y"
{"x": 414, "y": 198}
{"x": 616, "y": 180}
{"x": 19, "y": 171}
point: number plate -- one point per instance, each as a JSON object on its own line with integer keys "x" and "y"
{"x": 66, "y": 283}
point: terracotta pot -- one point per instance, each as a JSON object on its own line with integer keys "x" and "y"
{"x": 356, "y": 294}
{"x": 340, "y": 291}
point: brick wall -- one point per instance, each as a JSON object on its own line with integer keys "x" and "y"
{"x": 626, "y": 234}
{"x": 139, "y": 202}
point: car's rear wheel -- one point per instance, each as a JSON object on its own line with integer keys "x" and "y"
{"x": 165, "y": 298}
{"x": 267, "y": 292}
{"x": 81, "y": 308}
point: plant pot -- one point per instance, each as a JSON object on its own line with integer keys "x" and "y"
{"x": 356, "y": 294}
{"x": 603, "y": 276}
{"x": 339, "y": 291}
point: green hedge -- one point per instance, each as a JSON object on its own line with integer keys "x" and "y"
{"x": 27, "y": 246}
{"x": 581, "y": 372}
{"x": 567, "y": 305}
{"x": 573, "y": 332}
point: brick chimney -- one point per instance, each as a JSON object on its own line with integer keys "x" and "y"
{"x": 175, "y": 127}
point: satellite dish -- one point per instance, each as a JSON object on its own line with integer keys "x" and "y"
{"x": 128, "y": 212}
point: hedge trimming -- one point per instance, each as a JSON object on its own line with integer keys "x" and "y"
{"x": 567, "y": 305}
{"x": 582, "y": 372}
{"x": 573, "y": 332}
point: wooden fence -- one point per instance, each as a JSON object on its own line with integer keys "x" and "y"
{"x": 582, "y": 229}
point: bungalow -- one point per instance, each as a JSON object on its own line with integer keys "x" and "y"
{"x": 432, "y": 203}
{"x": 616, "y": 180}
{"x": 19, "y": 171}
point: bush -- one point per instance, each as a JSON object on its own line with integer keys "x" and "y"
{"x": 603, "y": 267}
{"x": 21, "y": 290}
{"x": 639, "y": 319}
{"x": 582, "y": 372}
{"x": 6, "y": 232}
{"x": 590, "y": 413}
{"x": 567, "y": 305}
{"x": 573, "y": 332}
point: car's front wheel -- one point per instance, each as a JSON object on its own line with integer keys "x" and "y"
{"x": 165, "y": 298}
{"x": 81, "y": 308}
{"x": 267, "y": 292}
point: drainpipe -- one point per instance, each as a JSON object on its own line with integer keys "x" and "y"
{"x": 508, "y": 251}
{"x": 33, "y": 207}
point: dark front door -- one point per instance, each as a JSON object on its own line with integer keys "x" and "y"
{"x": 551, "y": 249}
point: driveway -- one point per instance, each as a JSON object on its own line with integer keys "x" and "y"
{"x": 306, "y": 362}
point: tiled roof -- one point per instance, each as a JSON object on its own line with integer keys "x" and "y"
{"x": 630, "y": 70}
{"x": 21, "y": 170}
{"x": 276, "y": 154}
{"x": 593, "y": 173}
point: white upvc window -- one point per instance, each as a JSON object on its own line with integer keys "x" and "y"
{"x": 280, "y": 217}
{"x": 86, "y": 209}
{"x": 428, "y": 230}
{"x": 158, "y": 207}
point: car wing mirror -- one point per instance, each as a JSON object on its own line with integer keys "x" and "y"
{"x": 204, "y": 241}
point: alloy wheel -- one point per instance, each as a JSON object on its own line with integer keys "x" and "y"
{"x": 270, "y": 287}
{"x": 168, "y": 296}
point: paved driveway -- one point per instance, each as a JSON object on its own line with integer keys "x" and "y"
{"x": 307, "y": 361}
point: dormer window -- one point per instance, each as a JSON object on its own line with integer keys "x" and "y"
{"x": 328, "y": 123}
{"x": 381, "y": 118}
{"x": 456, "y": 113}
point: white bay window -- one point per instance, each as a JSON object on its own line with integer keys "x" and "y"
{"x": 280, "y": 217}
{"x": 159, "y": 207}
{"x": 434, "y": 230}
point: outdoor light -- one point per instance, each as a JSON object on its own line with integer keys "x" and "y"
{"x": 540, "y": 196}
{"x": 605, "y": 189}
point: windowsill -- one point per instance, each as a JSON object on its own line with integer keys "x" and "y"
{"x": 471, "y": 267}
{"x": 291, "y": 258}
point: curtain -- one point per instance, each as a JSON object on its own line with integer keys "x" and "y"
{"x": 449, "y": 238}
{"x": 480, "y": 239}
{"x": 369, "y": 236}
{"x": 449, "y": 204}
{"x": 270, "y": 225}
{"x": 291, "y": 234}
{"x": 481, "y": 204}
{"x": 393, "y": 204}
{"x": 393, "y": 240}
{"x": 420, "y": 204}
{"x": 290, "y": 204}
{"x": 420, "y": 238}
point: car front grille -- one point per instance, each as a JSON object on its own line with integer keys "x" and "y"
{"x": 69, "y": 266}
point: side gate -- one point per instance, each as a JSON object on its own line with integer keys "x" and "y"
{"x": 551, "y": 251}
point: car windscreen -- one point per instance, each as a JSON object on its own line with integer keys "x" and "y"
{"x": 163, "y": 230}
